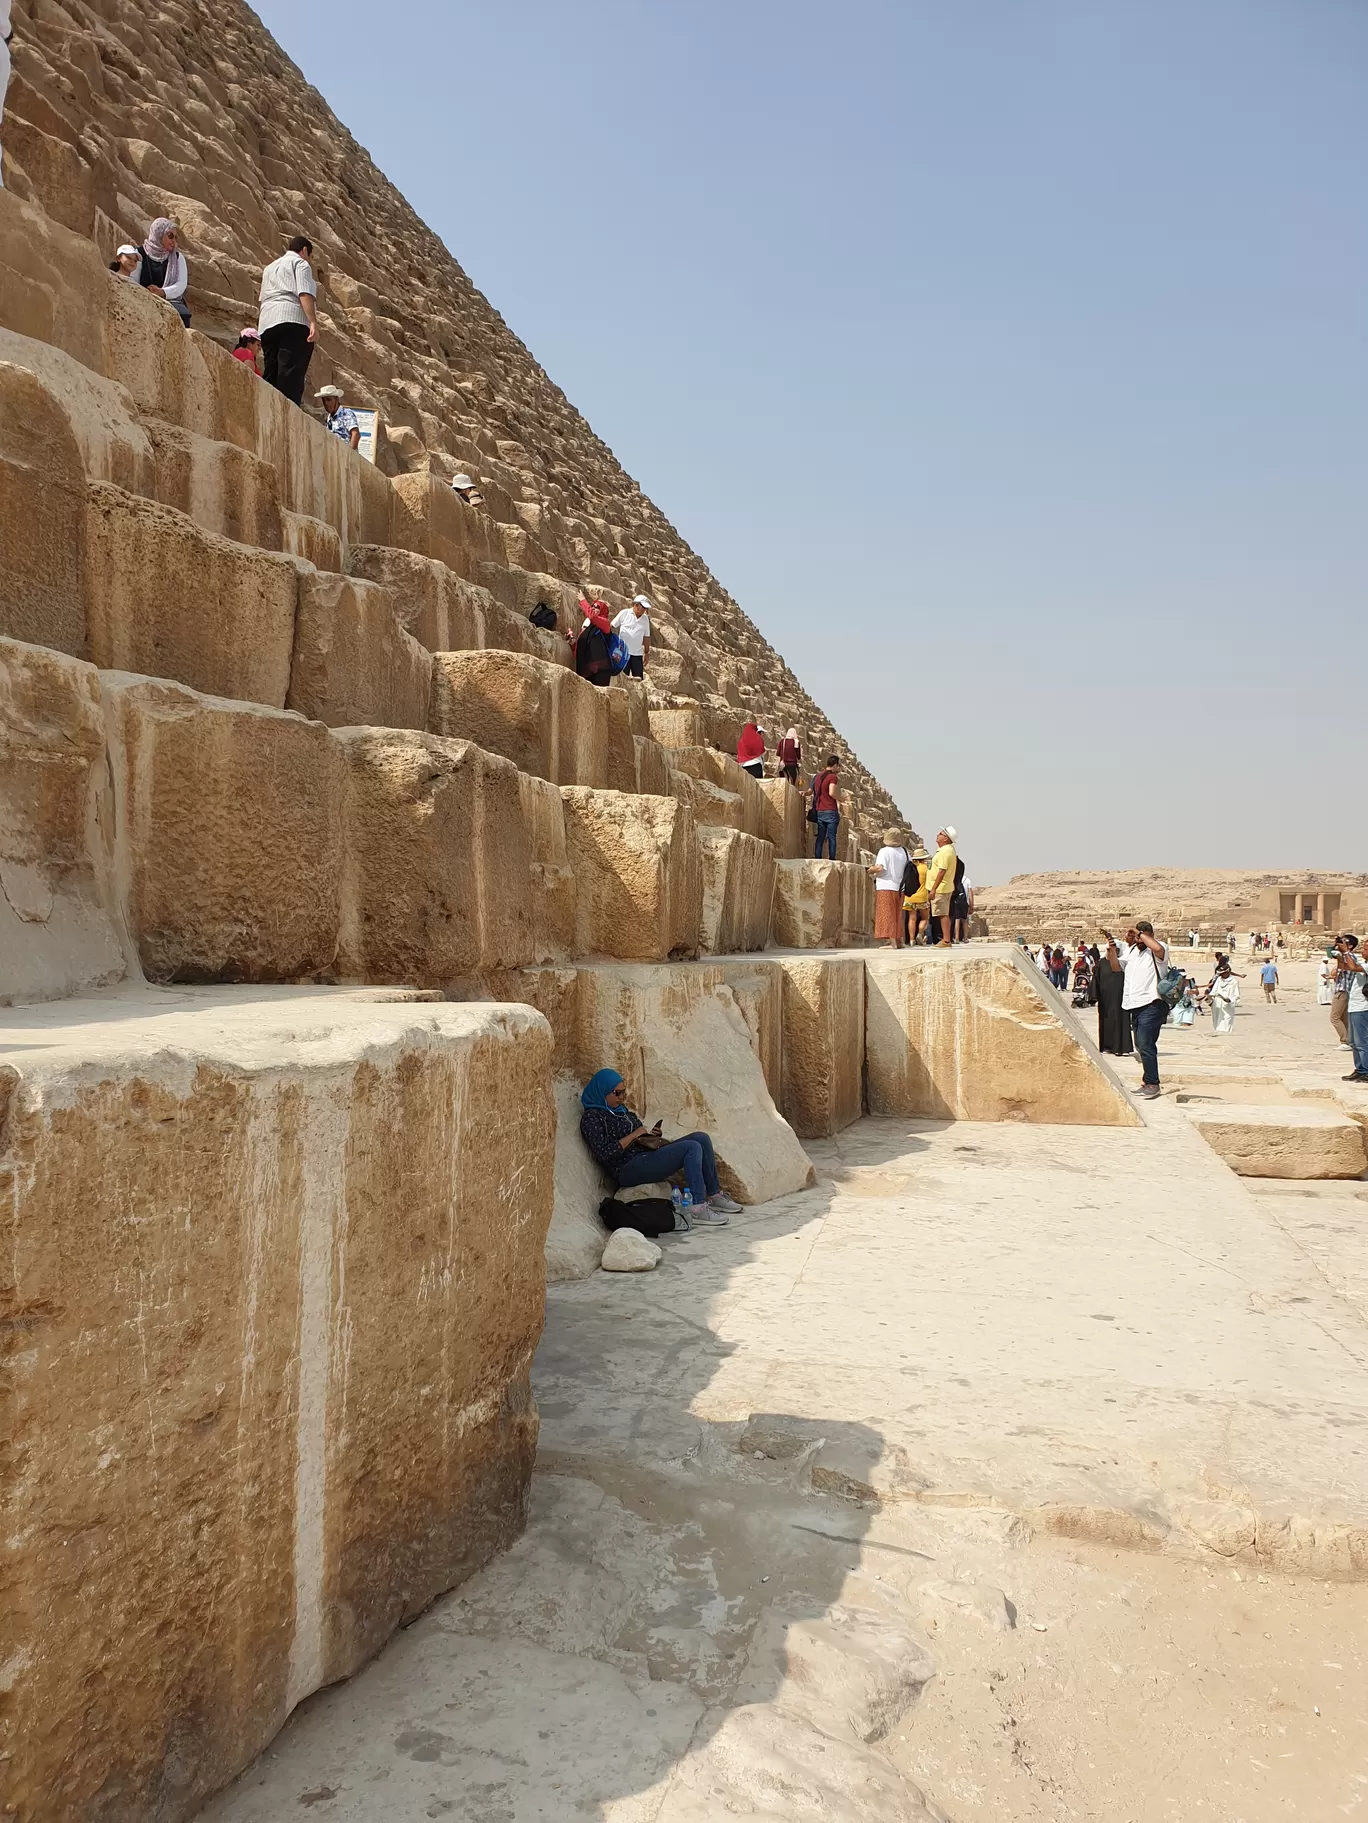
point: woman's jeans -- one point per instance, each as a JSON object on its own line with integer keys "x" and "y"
{"x": 693, "y": 1155}
{"x": 827, "y": 823}
{"x": 1145, "y": 1024}
{"x": 1358, "y": 1037}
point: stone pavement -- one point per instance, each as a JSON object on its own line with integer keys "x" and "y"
{"x": 783, "y": 1474}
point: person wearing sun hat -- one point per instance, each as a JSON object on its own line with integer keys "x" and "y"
{"x": 342, "y": 420}
{"x": 889, "y": 866}
{"x": 940, "y": 883}
{"x": 916, "y": 905}
{"x": 465, "y": 489}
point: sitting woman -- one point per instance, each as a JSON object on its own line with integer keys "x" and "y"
{"x": 629, "y": 1154}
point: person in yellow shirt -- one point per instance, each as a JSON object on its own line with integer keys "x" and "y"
{"x": 940, "y": 883}
{"x": 917, "y": 905}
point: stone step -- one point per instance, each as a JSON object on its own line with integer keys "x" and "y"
{"x": 1298, "y": 1141}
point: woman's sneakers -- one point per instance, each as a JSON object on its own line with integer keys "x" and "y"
{"x": 721, "y": 1206}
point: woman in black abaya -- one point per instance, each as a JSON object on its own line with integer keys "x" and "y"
{"x": 1113, "y": 1025}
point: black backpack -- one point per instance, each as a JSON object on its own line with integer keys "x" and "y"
{"x": 649, "y": 1215}
{"x": 542, "y": 616}
{"x": 911, "y": 880}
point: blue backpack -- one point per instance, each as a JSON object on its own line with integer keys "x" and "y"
{"x": 617, "y": 653}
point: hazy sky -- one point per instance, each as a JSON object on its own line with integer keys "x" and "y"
{"x": 1006, "y": 359}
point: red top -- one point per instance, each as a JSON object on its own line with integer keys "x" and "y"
{"x": 751, "y": 746}
{"x": 788, "y": 752}
{"x": 822, "y": 789}
{"x": 245, "y": 354}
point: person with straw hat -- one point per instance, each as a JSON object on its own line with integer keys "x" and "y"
{"x": 917, "y": 905}
{"x": 889, "y": 866}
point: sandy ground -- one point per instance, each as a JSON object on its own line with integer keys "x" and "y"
{"x": 953, "y": 1487}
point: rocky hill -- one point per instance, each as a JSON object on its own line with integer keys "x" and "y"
{"x": 119, "y": 112}
{"x": 1069, "y": 903}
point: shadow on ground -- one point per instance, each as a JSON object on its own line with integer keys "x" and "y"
{"x": 685, "y": 1631}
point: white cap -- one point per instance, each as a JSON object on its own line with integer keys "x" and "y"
{"x": 643, "y": 601}
{"x": 127, "y": 247}
{"x": 461, "y": 481}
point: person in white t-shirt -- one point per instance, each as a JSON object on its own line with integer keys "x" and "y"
{"x": 1142, "y": 956}
{"x": 288, "y": 320}
{"x": 889, "y": 866}
{"x": 634, "y": 626}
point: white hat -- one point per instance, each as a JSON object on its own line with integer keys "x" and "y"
{"x": 461, "y": 481}
{"x": 643, "y": 601}
{"x": 329, "y": 392}
{"x": 950, "y": 831}
{"x": 127, "y": 247}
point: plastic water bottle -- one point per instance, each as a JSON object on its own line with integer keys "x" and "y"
{"x": 686, "y": 1204}
{"x": 676, "y": 1203}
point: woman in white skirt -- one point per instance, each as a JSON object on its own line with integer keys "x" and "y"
{"x": 1225, "y": 997}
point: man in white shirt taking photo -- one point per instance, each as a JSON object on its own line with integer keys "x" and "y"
{"x": 1143, "y": 957}
{"x": 634, "y": 624}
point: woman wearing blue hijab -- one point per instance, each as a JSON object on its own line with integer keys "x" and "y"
{"x": 614, "y": 1135}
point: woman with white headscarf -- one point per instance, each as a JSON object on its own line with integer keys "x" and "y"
{"x": 164, "y": 271}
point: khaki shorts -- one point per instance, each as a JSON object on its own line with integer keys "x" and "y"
{"x": 940, "y": 908}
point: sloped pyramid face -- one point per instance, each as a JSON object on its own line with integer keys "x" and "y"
{"x": 119, "y": 112}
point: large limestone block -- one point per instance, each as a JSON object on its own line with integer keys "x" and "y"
{"x": 317, "y": 474}
{"x": 574, "y": 1241}
{"x": 822, "y": 905}
{"x": 1299, "y": 1142}
{"x": 678, "y": 727}
{"x": 629, "y": 721}
{"x": 435, "y": 872}
{"x": 824, "y": 1043}
{"x": 225, "y": 489}
{"x": 708, "y": 803}
{"x": 541, "y": 716}
{"x": 227, "y": 834}
{"x": 446, "y": 613}
{"x": 278, "y": 1291}
{"x": 721, "y": 770}
{"x": 552, "y": 894}
{"x": 757, "y": 985}
{"x": 114, "y": 446}
{"x": 53, "y": 283}
{"x": 353, "y": 664}
{"x": 653, "y": 775}
{"x": 58, "y": 934}
{"x": 969, "y": 1035}
{"x": 738, "y": 891}
{"x": 683, "y": 1045}
{"x": 427, "y": 517}
{"x": 786, "y": 824}
{"x": 42, "y": 518}
{"x": 168, "y": 599}
{"x": 637, "y": 878}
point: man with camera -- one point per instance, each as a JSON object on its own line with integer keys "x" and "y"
{"x": 1142, "y": 956}
{"x": 1351, "y": 968}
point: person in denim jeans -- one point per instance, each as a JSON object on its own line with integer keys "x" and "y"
{"x": 1352, "y": 962}
{"x": 1143, "y": 956}
{"x": 826, "y": 802}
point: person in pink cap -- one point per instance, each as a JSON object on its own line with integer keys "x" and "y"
{"x": 248, "y": 346}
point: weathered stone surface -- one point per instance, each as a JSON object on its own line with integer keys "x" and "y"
{"x": 683, "y": 1046}
{"x": 168, "y": 599}
{"x": 1300, "y": 1142}
{"x": 58, "y": 934}
{"x": 757, "y": 985}
{"x": 626, "y": 1250}
{"x": 113, "y": 444}
{"x": 653, "y": 775}
{"x": 707, "y": 766}
{"x": 629, "y": 721}
{"x": 221, "y": 487}
{"x": 353, "y": 664}
{"x": 541, "y": 716}
{"x": 42, "y": 518}
{"x": 436, "y": 883}
{"x": 228, "y": 820}
{"x": 277, "y": 1294}
{"x": 822, "y": 905}
{"x": 786, "y": 826}
{"x": 708, "y": 803}
{"x": 447, "y": 613}
{"x": 738, "y": 889}
{"x": 968, "y": 1035}
{"x": 823, "y": 1044}
{"x": 552, "y": 892}
{"x": 635, "y": 861}
{"x": 678, "y": 727}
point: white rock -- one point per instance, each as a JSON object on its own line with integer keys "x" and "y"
{"x": 628, "y": 1251}
{"x": 980, "y": 1599}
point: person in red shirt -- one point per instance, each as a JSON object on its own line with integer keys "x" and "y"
{"x": 750, "y": 751}
{"x": 246, "y": 351}
{"x": 826, "y": 803}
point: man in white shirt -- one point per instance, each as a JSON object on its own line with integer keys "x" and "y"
{"x": 634, "y": 625}
{"x": 288, "y": 322}
{"x": 1143, "y": 956}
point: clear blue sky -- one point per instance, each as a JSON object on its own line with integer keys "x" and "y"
{"x": 1007, "y": 360}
